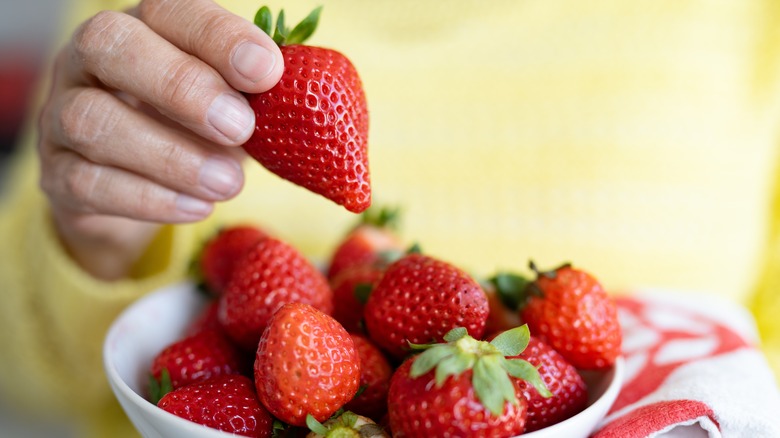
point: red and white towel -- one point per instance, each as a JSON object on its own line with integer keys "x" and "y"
{"x": 692, "y": 370}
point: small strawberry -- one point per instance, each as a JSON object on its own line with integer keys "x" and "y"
{"x": 226, "y": 403}
{"x": 306, "y": 363}
{"x": 569, "y": 394}
{"x": 418, "y": 300}
{"x": 351, "y": 288}
{"x": 375, "y": 374}
{"x": 221, "y": 252}
{"x": 271, "y": 274}
{"x": 312, "y": 127}
{"x": 202, "y": 355}
{"x": 366, "y": 243}
{"x": 463, "y": 387}
{"x": 568, "y": 309}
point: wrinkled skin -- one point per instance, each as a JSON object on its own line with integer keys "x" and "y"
{"x": 142, "y": 124}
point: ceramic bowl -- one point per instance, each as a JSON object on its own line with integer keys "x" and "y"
{"x": 161, "y": 317}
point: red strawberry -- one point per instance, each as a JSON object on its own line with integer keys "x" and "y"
{"x": 351, "y": 288}
{"x": 271, "y": 274}
{"x": 463, "y": 387}
{"x": 312, "y": 127}
{"x": 375, "y": 373}
{"x": 226, "y": 403}
{"x": 221, "y": 252}
{"x": 568, "y": 309}
{"x": 306, "y": 363}
{"x": 418, "y": 300}
{"x": 204, "y": 354}
{"x": 569, "y": 394}
{"x": 367, "y": 241}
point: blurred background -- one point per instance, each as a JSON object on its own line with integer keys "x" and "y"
{"x": 27, "y": 28}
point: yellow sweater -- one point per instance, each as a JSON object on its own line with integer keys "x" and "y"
{"x": 638, "y": 140}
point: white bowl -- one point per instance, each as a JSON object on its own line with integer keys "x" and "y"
{"x": 160, "y": 318}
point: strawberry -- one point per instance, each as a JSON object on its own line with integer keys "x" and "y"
{"x": 306, "y": 363}
{"x": 463, "y": 387}
{"x": 348, "y": 424}
{"x": 419, "y": 299}
{"x": 568, "y": 309}
{"x": 312, "y": 127}
{"x": 221, "y": 252}
{"x": 367, "y": 242}
{"x": 226, "y": 403}
{"x": 271, "y": 274}
{"x": 204, "y": 354}
{"x": 375, "y": 373}
{"x": 351, "y": 288}
{"x": 569, "y": 394}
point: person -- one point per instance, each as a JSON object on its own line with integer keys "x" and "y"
{"x": 637, "y": 140}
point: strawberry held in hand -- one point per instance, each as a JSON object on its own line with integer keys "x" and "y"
{"x": 312, "y": 127}
{"x": 306, "y": 363}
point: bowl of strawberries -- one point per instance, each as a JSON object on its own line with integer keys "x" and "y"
{"x": 382, "y": 339}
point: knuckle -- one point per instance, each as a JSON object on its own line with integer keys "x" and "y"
{"x": 87, "y": 118}
{"x": 185, "y": 82}
{"x": 150, "y": 8}
{"x": 97, "y": 33}
{"x": 79, "y": 181}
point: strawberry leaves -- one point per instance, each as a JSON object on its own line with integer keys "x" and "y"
{"x": 488, "y": 361}
{"x": 280, "y": 33}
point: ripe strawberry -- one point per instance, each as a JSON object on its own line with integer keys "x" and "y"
{"x": 351, "y": 288}
{"x": 221, "y": 252}
{"x": 375, "y": 373}
{"x": 463, "y": 387}
{"x": 202, "y": 355}
{"x": 271, "y": 274}
{"x": 569, "y": 394}
{"x": 226, "y": 403}
{"x": 312, "y": 127}
{"x": 418, "y": 300}
{"x": 568, "y": 309}
{"x": 348, "y": 424}
{"x": 367, "y": 242}
{"x": 306, "y": 363}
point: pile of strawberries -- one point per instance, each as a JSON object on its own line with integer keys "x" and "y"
{"x": 384, "y": 341}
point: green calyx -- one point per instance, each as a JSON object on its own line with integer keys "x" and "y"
{"x": 280, "y": 33}
{"x": 158, "y": 388}
{"x": 381, "y": 217}
{"x": 489, "y": 361}
{"x": 344, "y": 425}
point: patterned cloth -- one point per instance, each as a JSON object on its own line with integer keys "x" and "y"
{"x": 692, "y": 369}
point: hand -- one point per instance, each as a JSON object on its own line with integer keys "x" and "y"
{"x": 143, "y": 122}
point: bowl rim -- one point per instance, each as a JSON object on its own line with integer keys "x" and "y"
{"x": 604, "y": 401}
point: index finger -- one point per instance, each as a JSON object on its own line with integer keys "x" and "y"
{"x": 244, "y": 55}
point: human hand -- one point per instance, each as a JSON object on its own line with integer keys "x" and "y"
{"x": 143, "y": 122}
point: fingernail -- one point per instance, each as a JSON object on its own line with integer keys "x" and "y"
{"x": 192, "y": 207}
{"x": 220, "y": 176}
{"x": 231, "y": 116}
{"x": 253, "y": 61}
